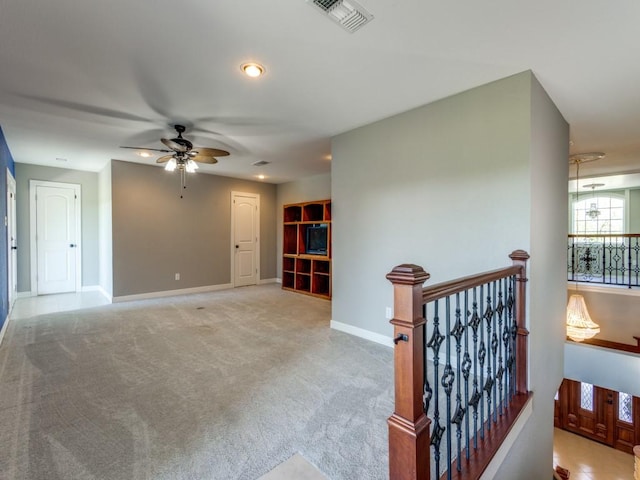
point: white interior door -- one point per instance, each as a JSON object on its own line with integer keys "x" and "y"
{"x": 11, "y": 239}
{"x": 56, "y": 237}
{"x": 245, "y": 227}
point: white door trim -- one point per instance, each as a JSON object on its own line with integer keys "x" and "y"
{"x": 33, "y": 253}
{"x": 256, "y": 196}
{"x": 11, "y": 241}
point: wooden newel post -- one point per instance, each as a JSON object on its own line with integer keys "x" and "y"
{"x": 408, "y": 426}
{"x": 519, "y": 258}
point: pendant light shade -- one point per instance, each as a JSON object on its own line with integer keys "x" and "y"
{"x": 579, "y": 324}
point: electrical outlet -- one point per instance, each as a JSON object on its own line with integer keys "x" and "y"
{"x": 177, "y": 276}
{"x": 389, "y": 313}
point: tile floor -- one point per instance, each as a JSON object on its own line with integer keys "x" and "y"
{"x": 589, "y": 460}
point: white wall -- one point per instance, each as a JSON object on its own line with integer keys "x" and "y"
{"x": 602, "y": 367}
{"x": 104, "y": 230}
{"x": 316, "y": 187}
{"x": 455, "y": 186}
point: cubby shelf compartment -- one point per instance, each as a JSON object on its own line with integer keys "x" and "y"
{"x": 289, "y": 264}
{"x": 301, "y": 271}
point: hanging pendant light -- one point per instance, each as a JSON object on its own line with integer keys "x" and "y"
{"x": 579, "y": 324}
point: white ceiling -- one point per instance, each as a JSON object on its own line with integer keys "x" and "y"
{"x": 78, "y": 79}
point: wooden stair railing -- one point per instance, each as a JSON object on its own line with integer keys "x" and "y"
{"x": 409, "y": 426}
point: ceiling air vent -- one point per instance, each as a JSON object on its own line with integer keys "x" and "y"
{"x": 346, "y": 13}
{"x": 260, "y": 163}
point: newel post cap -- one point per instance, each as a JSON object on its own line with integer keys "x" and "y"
{"x": 408, "y": 274}
{"x": 519, "y": 255}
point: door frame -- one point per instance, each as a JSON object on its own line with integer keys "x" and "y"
{"x": 33, "y": 184}
{"x": 256, "y": 196}
{"x": 12, "y": 264}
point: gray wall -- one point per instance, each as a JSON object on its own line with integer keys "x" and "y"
{"x": 634, "y": 211}
{"x": 547, "y": 280}
{"x": 455, "y": 186}
{"x": 316, "y": 187}
{"x": 616, "y": 312}
{"x": 104, "y": 229}
{"x": 156, "y": 233}
{"x": 88, "y": 182}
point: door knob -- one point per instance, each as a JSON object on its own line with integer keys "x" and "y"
{"x": 72, "y": 245}
{"x": 14, "y": 248}
{"x": 237, "y": 246}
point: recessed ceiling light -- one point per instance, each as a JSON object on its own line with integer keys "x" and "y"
{"x": 252, "y": 69}
{"x": 261, "y": 177}
{"x": 144, "y": 154}
{"x": 60, "y": 159}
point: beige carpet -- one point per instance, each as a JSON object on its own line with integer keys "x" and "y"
{"x": 296, "y": 468}
{"x": 225, "y": 385}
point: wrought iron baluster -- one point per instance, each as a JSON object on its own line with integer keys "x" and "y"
{"x": 629, "y": 264}
{"x": 514, "y": 335}
{"x": 427, "y": 392}
{"x": 636, "y": 269}
{"x": 448, "y": 378}
{"x": 482, "y": 355}
{"x": 499, "y": 331}
{"x": 466, "y": 370}
{"x": 510, "y": 347}
{"x": 493, "y": 393}
{"x": 457, "y": 332}
{"x": 434, "y": 344}
{"x": 475, "y": 323}
{"x": 488, "y": 384}
{"x": 572, "y": 255}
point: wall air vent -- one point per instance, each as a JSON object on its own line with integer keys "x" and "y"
{"x": 346, "y": 13}
{"x": 260, "y": 163}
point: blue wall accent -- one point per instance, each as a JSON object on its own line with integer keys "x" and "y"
{"x": 6, "y": 161}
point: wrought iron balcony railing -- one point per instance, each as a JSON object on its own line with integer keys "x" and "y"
{"x": 606, "y": 259}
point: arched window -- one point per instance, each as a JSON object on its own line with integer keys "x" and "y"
{"x": 599, "y": 214}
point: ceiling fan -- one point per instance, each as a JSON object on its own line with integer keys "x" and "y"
{"x": 182, "y": 156}
{"x": 183, "y": 150}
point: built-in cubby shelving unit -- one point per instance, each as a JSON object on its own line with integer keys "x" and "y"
{"x": 307, "y": 270}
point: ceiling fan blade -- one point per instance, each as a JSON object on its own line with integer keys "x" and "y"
{"x": 176, "y": 147}
{"x": 164, "y": 158}
{"x": 149, "y": 149}
{"x": 204, "y": 159}
{"x": 211, "y": 152}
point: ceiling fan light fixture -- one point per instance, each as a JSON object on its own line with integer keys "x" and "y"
{"x": 191, "y": 166}
{"x": 171, "y": 165}
{"x": 252, "y": 70}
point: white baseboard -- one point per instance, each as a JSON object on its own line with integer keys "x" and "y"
{"x": 278, "y": 280}
{"x": 98, "y": 288}
{"x": 362, "y": 333}
{"x": 24, "y": 294}
{"x": 4, "y": 328}
{"x": 171, "y": 293}
{"x": 264, "y": 281}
